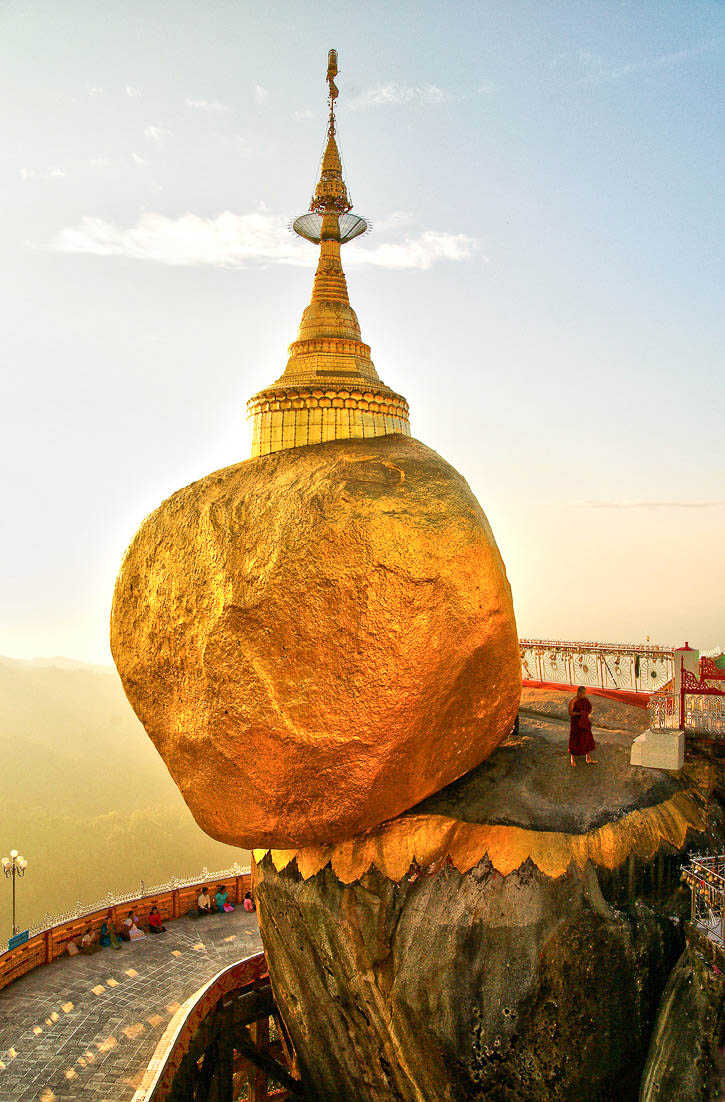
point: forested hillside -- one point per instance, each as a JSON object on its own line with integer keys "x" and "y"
{"x": 84, "y": 794}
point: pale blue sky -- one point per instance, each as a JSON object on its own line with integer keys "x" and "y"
{"x": 544, "y": 283}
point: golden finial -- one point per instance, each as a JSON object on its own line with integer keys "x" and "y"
{"x": 331, "y": 193}
{"x": 330, "y": 389}
{"x": 332, "y": 71}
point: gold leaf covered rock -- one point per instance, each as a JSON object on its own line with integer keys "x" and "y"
{"x": 317, "y": 639}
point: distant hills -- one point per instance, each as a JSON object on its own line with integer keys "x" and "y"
{"x": 87, "y": 799}
{"x": 84, "y": 794}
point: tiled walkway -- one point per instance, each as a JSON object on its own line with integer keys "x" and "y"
{"x": 86, "y": 1027}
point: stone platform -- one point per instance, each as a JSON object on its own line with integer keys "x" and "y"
{"x": 86, "y": 1027}
{"x": 659, "y": 749}
{"x": 529, "y": 782}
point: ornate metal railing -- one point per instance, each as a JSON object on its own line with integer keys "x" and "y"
{"x": 702, "y": 714}
{"x": 705, "y": 876}
{"x": 624, "y": 667}
{"x": 664, "y": 714}
{"x": 117, "y": 899}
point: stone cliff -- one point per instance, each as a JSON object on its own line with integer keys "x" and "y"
{"x": 506, "y": 939}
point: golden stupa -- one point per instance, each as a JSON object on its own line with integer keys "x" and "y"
{"x": 330, "y": 389}
{"x": 319, "y": 637}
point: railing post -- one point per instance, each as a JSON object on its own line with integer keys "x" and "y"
{"x": 225, "y": 1080}
{"x": 184, "y": 1087}
{"x": 258, "y": 1080}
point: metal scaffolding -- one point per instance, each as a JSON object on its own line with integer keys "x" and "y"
{"x": 705, "y": 876}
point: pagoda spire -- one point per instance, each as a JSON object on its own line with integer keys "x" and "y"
{"x": 331, "y": 193}
{"x": 330, "y": 389}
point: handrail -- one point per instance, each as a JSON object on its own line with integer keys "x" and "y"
{"x": 617, "y": 668}
{"x": 110, "y": 900}
{"x": 50, "y": 942}
{"x": 622, "y": 648}
{"x": 169, "y": 1052}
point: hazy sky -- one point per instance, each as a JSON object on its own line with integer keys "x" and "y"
{"x": 544, "y": 283}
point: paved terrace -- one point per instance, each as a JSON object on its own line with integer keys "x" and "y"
{"x": 86, "y": 1027}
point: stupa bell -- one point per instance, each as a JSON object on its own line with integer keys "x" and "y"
{"x": 330, "y": 389}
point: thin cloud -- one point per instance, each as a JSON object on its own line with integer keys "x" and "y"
{"x": 243, "y": 240}
{"x": 243, "y": 146}
{"x": 595, "y": 70}
{"x": 41, "y": 173}
{"x": 302, "y": 115}
{"x": 393, "y": 94}
{"x": 133, "y": 92}
{"x": 100, "y": 162}
{"x": 393, "y": 221}
{"x": 137, "y": 159}
{"x": 714, "y": 504}
{"x": 206, "y": 105}
{"x": 96, "y": 90}
{"x": 261, "y": 95}
{"x": 226, "y": 241}
{"x": 421, "y": 251}
{"x": 156, "y": 133}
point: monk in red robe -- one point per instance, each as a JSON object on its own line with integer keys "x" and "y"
{"x": 581, "y": 739}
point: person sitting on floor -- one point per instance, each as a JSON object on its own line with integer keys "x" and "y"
{"x": 204, "y": 902}
{"x": 155, "y": 926}
{"x": 222, "y": 901}
{"x": 88, "y": 942}
{"x": 109, "y": 937}
{"x": 132, "y": 927}
{"x": 248, "y": 903}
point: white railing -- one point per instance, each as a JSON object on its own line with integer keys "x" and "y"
{"x": 625, "y": 666}
{"x": 664, "y": 712}
{"x": 116, "y": 900}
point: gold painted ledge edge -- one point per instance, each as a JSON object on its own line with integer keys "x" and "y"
{"x": 431, "y": 839}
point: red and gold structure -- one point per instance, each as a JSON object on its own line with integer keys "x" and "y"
{"x": 645, "y": 675}
{"x": 629, "y": 672}
{"x": 330, "y": 389}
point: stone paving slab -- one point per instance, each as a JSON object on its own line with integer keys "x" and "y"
{"x": 86, "y": 1027}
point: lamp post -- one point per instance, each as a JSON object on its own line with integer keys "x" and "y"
{"x": 14, "y": 866}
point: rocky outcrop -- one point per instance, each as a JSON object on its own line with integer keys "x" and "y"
{"x": 501, "y": 941}
{"x": 686, "y": 1060}
{"x": 475, "y": 986}
{"x": 317, "y": 639}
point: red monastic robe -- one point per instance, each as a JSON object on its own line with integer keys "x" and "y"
{"x": 581, "y": 740}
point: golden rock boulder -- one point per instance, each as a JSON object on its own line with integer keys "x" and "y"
{"x": 317, "y": 639}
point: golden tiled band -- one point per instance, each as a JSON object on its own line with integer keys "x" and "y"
{"x": 336, "y": 345}
{"x": 291, "y": 418}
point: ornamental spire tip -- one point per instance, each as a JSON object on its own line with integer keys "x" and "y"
{"x": 330, "y": 389}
